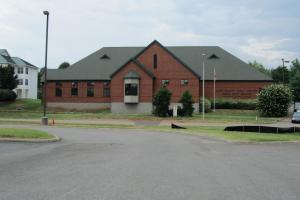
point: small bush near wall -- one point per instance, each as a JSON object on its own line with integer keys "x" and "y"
{"x": 7, "y": 95}
{"x": 187, "y": 104}
{"x": 207, "y": 105}
{"x": 161, "y": 102}
{"x": 242, "y": 104}
{"x": 274, "y": 100}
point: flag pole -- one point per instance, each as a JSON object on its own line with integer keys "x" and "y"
{"x": 214, "y": 90}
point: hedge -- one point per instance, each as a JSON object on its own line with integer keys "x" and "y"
{"x": 207, "y": 105}
{"x": 242, "y": 104}
{"x": 7, "y": 95}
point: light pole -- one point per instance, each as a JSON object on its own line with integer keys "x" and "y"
{"x": 203, "y": 88}
{"x": 283, "y": 61}
{"x": 45, "y": 118}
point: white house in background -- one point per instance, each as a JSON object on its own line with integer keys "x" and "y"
{"x": 27, "y": 75}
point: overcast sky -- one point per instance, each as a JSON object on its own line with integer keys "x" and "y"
{"x": 262, "y": 30}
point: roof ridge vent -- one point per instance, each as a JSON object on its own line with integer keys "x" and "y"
{"x": 213, "y": 56}
{"x": 104, "y": 56}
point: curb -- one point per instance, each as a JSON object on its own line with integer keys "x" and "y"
{"x": 55, "y": 139}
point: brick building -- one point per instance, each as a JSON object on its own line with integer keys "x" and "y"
{"x": 125, "y": 79}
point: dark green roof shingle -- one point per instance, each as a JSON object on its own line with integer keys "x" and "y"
{"x": 228, "y": 67}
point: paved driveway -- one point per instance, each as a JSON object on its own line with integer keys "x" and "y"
{"x": 111, "y": 164}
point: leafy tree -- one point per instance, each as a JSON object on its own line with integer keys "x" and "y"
{"x": 8, "y": 79}
{"x": 260, "y": 67}
{"x": 281, "y": 75}
{"x": 295, "y": 67}
{"x": 187, "y": 103}
{"x": 295, "y": 85}
{"x": 274, "y": 100}
{"x": 64, "y": 65}
{"x": 161, "y": 102}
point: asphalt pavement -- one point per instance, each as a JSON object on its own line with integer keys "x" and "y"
{"x": 115, "y": 164}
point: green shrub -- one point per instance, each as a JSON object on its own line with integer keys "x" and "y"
{"x": 161, "y": 102}
{"x": 207, "y": 105}
{"x": 242, "y": 104}
{"x": 274, "y": 101}
{"x": 187, "y": 104}
{"x": 7, "y": 95}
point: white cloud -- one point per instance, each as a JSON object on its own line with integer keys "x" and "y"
{"x": 80, "y": 27}
{"x": 269, "y": 50}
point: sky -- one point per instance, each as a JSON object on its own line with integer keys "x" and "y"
{"x": 261, "y": 30}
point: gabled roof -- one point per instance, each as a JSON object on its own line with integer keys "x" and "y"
{"x": 21, "y": 62}
{"x": 132, "y": 75}
{"x": 228, "y": 67}
{"x": 6, "y": 60}
{"x": 138, "y": 64}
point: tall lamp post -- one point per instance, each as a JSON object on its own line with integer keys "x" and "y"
{"x": 45, "y": 118}
{"x": 203, "y": 88}
{"x": 283, "y": 61}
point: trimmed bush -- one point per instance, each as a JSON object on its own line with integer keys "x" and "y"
{"x": 187, "y": 104}
{"x": 274, "y": 101}
{"x": 242, "y": 104}
{"x": 7, "y": 95}
{"x": 161, "y": 102}
{"x": 207, "y": 105}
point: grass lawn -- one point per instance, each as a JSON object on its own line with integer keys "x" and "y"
{"x": 214, "y": 132}
{"x": 32, "y": 109}
{"x": 24, "y": 133}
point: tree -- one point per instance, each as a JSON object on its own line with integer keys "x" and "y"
{"x": 260, "y": 67}
{"x": 64, "y": 65}
{"x": 187, "y": 103}
{"x": 8, "y": 79}
{"x": 161, "y": 102}
{"x": 295, "y": 85}
{"x": 281, "y": 75}
{"x": 295, "y": 67}
{"x": 274, "y": 100}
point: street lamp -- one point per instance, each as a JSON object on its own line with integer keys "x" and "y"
{"x": 45, "y": 118}
{"x": 203, "y": 88}
{"x": 283, "y": 61}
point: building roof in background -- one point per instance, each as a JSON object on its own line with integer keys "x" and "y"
{"x": 101, "y": 64}
{"x": 21, "y": 62}
{"x": 5, "y": 58}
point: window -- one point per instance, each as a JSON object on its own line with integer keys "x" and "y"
{"x": 184, "y": 82}
{"x": 74, "y": 89}
{"x": 20, "y": 81}
{"x": 26, "y": 81}
{"x": 131, "y": 89}
{"x": 90, "y": 92}
{"x": 90, "y": 89}
{"x": 20, "y": 70}
{"x": 106, "y": 92}
{"x": 26, "y": 70}
{"x": 155, "y": 61}
{"x": 58, "y": 92}
{"x": 165, "y": 82}
{"x": 58, "y": 89}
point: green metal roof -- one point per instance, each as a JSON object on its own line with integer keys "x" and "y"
{"x": 227, "y": 66}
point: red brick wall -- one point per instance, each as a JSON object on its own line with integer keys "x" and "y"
{"x": 168, "y": 68}
{"x": 233, "y": 89}
{"x": 82, "y": 93}
{"x": 145, "y": 84}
